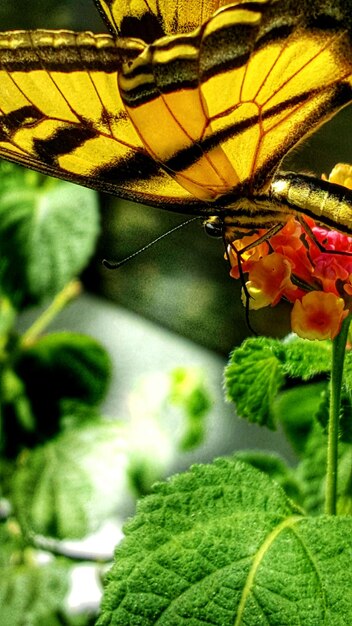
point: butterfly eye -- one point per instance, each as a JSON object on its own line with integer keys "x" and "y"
{"x": 214, "y": 227}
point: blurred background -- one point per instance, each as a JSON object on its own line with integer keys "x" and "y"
{"x": 182, "y": 282}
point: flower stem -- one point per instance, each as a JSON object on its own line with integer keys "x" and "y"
{"x": 70, "y": 291}
{"x": 338, "y": 355}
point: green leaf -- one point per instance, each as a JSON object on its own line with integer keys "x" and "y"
{"x": 253, "y": 377}
{"x": 31, "y": 594}
{"x": 12, "y": 392}
{"x": 71, "y": 366}
{"x": 305, "y": 359}
{"x": 261, "y": 367}
{"x": 345, "y": 417}
{"x": 223, "y": 545}
{"x": 12, "y": 176}
{"x": 7, "y": 469}
{"x": 311, "y": 472}
{"x": 296, "y": 408}
{"x": 17, "y": 419}
{"x": 11, "y": 546}
{"x": 7, "y": 319}
{"x": 345, "y": 423}
{"x": 347, "y": 371}
{"x": 66, "y": 488}
{"x": 48, "y": 232}
{"x": 273, "y": 465}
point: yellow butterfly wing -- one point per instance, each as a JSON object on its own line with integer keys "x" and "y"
{"x": 61, "y": 113}
{"x": 197, "y": 122}
{"x": 221, "y": 107}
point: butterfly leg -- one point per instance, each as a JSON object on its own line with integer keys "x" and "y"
{"x": 239, "y": 254}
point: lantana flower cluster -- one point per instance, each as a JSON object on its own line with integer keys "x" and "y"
{"x": 291, "y": 266}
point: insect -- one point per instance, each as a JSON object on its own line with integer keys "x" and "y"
{"x": 187, "y": 106}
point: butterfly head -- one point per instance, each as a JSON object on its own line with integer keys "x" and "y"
{"x": 226, "y": 228}
{"x": 214, "y": 226}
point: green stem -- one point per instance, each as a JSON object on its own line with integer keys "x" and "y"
{"x": 338, "y": 356}
{"x": 70, "y": 291}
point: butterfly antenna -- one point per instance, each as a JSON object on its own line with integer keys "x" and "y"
{"x": 117, "y": 264}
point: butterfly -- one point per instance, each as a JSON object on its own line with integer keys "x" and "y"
{"x": 187, "y": 106}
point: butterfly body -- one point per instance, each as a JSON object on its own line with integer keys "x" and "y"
{"x": 195, "y": 118}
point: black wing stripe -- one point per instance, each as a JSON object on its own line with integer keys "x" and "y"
{"x": 62, "y": 142}
{"x": 135, "y": 166}
{"x": 182, "y": 72}
{"x": 24, "y": 117}
{"x": 148, "y": 27}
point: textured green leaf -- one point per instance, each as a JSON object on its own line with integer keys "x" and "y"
{"x": 31, "y": 594}
{"x": 305, "y": 359}
{"x": 261, "y": 367}
{"x": 253, "y": 378}
{"x": 223, "y": 545}
{"x": 67, "y": 487}
{"x": 273, "y": 465}
{"x": 48, "y": 231}
{"x": 60, "y": 366}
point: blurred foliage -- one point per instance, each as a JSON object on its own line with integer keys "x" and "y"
{"x": 39, "y": 261}
{"x": 65, "y": 468}
{"x": 75, "y": 14}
